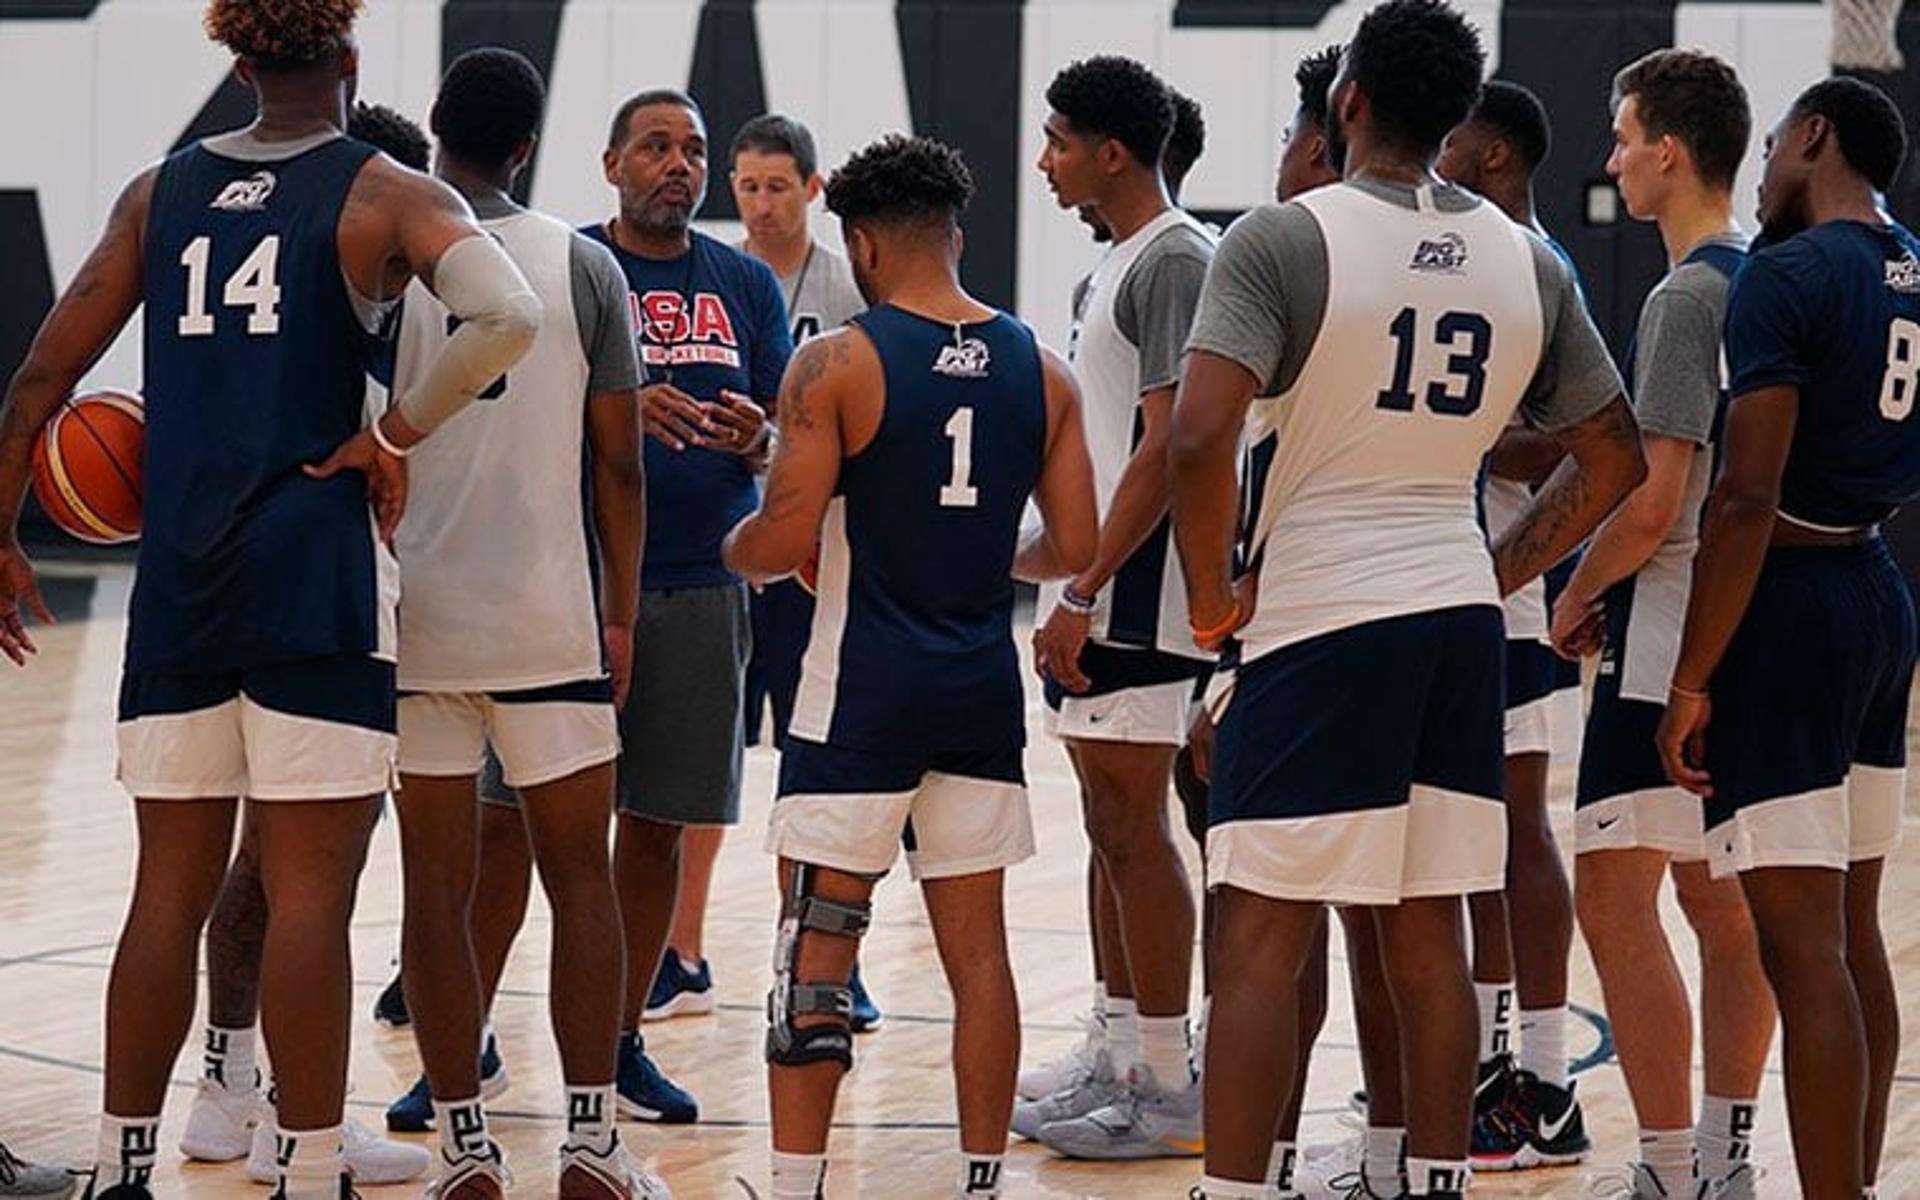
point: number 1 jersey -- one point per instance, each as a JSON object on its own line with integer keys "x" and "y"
{"x": 1393, "y": 332}
{"x": 255, "y": 364}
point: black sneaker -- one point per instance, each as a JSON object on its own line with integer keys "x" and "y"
{"x": 866, "y": 1016}
{"x": 390, "y": 1009}
{"x": 1540, "y": 1125}
{"x": 119, "y": 1191}
{"x": 1494, "y": 1085}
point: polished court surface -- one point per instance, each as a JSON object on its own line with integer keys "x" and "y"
{"x": 66, "y": 851}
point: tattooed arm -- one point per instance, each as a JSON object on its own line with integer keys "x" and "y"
{"x": 777, "y": 540}
{"x": 1604, "y": 463}
{"x": 88, "y": 316}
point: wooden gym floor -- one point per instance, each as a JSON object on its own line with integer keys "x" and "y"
{"x": 66, "y": 846}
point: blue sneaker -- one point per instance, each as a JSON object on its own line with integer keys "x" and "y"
{"x": 866, "y": 1015}
{"x": 390, "y": 1010}
{"x": 678, "y": 992}
{"x": 644, "y": 1094}
{"x": 413, "y": 1112}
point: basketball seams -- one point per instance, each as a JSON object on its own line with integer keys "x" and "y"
{"x": 55, "y": 475}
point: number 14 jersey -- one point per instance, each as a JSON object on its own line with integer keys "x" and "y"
{"x": 1394, "y": 330}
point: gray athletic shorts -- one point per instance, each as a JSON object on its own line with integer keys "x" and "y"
{"x": 682, "y": 733}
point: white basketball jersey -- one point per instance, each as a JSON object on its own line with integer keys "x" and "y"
{"x": 1432, "y": 332}
{"x": 496, "y": 591}
{"x": 1505, "y": 502}
{"x": 1107, "y": 366}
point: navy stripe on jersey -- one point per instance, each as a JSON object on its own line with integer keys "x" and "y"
{"x": 254, "y": 365}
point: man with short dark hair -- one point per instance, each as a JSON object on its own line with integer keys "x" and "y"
{"x": 714, "y": 338}
{"x": 1359, "y": 760}
{"x": 1800, "y": 625}
{"x": 910, "y": 444}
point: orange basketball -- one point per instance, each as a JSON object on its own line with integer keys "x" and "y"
{"x": 86, "y": 466}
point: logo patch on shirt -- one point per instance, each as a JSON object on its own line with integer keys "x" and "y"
{"x": 965, "y": 360}
{"x": 1444, "y": 255}
{"x": 1904, "y": 276}
{"x": 245, "y": 195}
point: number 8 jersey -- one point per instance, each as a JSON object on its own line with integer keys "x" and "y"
{"x": 1393, "y": 330}
{"x": 254, "y": 365}
{"x": 912, "y": 644}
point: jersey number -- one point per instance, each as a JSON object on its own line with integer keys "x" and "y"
{"x": 251, "y": 286}
{"x": 1466, "y": 366}
{"x": 957, "y": 492}
{"x": 1902, "y": 380}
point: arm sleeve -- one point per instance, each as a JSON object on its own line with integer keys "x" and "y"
{"x": 500, "y": 317}
{"x": 606, "y": 327}
{"x": 1676, "y": 370}
{"x": 1768, "y": 322}
{"x": 1243, "y": 311}
{"x": 1155, "y": 311}
{"x": 1576, "y": 376}
{"x": 772, "y": 339}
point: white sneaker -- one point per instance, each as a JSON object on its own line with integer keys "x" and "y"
{"x": 220, "y": 1128}
{"x": 1330, "y": 1170}
{"x": 1635, "y": 1181}
{"x": 450, "y": 1173}
{"x": 1084, "y": 1093}
{"x": 1144, "y": 1122}
{"x": 1741, "y": 1183}
{"x": 1037, "y": 1083}
{"x": 371, "y": 1159}
{"x": 618, "y": 1171}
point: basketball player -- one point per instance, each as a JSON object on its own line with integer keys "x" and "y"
{"x": 259, "y": 649}
{"x": 1360, "y": 758}
{"x": 494, "y": 540}
{"x": 1185, "y": 145}
{"x": 1118, "y": 667}
{"x": 225, "y": 1120}
{"x": 776, "y": 178}
{"x": 1496, "y": 152}
{"x": 926, "y": 423}
{"x": 714, "y": 339}
{"x": 1681, "y": 124}
{"x": 1800, "y": 625}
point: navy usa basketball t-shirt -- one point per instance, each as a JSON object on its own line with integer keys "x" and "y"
{"x": 710, "y": 320}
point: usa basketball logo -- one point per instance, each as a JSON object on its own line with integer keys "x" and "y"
{"x": 967, "y": 359}
{"x": 245, "y": 195}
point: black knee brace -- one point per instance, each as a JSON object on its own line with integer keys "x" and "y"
{"x": 831, "y": 1041}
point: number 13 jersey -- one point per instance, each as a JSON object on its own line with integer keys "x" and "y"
{"x": 1393, "y": 332}
{"x": 912, "y": 645}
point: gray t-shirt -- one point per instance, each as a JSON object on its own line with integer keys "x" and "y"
{"x": 821, "y": 294}
{"x": 1677, "y": 376}
{"x": 1157, "y": 299}
{"x": 1266, "y": 298}
{"x": 599, "y": 306}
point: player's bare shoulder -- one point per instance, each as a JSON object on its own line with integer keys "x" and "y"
{"x": 384, "y": 210}
{"x": 824, "y": 370}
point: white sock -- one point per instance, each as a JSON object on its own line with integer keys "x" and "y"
{"x": 1543, "y": 1044}
{"x": 797, "y": 1176}
{"x": 1280, "y": 1167}
{"x": 979, "y": 1175}
{"x": 229, "y": 1060}
{"x": 1668, "y": 1153}
{"x": 463, "y": 1127}
{"x": 1426, "y": 1176}
{"x": 590, "y": 1118}
{"x": 1381, "y": 1155}
{"x": 1214, "y": 1188}
{"x": 1123, "y": 1033}
{"x": 1166, "y": 1052}
{"x": 311, "y": 1162}
{"x": 1724, "y": 1136}
{"x": 1496, "y": 1018}
{"x": 126, "y": 1150}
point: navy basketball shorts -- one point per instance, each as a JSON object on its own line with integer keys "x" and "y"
{"x": 782, "y": 622}
{"x": 1137, "y": 695}
{"x": 1533, "y": 676}
{"x": 1807, "y": 745}
{"x": 311, "y": 729}
{"x": 1367, "y": 765}
{"x": 539, "y": 734}
{"x": 854, "y": 810}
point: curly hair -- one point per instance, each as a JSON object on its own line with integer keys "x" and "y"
{"x": 1314, "y": 77}
{"x": 490, "y": 102}
{"x": 1696, "y": 98}
{"x": 1872, "y": 133}
{"x": 1187, "y": 142}
{"x": 900, "y": 179}
{"x": 1420, "y": 63}
{"x": 281, "y": 33}
{"x": 384, "y": 129}
{"x": 1118, "y": 98}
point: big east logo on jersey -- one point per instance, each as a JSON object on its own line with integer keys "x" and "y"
{"x": 245, "y": 195}
{"x": 1444, "y": 255}
{"x": 670, "y": 336}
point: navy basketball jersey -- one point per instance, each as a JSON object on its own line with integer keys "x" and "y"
{"x": 1835, "y": 311}
{"x": 255, "y": 365}
{"x": 912, "y": 643}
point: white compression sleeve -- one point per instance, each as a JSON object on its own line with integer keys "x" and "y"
{"x": 499, "y": 317}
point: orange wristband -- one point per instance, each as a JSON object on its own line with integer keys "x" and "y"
{"x": 1211, "y": 637}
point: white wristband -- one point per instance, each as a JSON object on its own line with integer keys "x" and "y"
{"x": 380, "y": 439}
